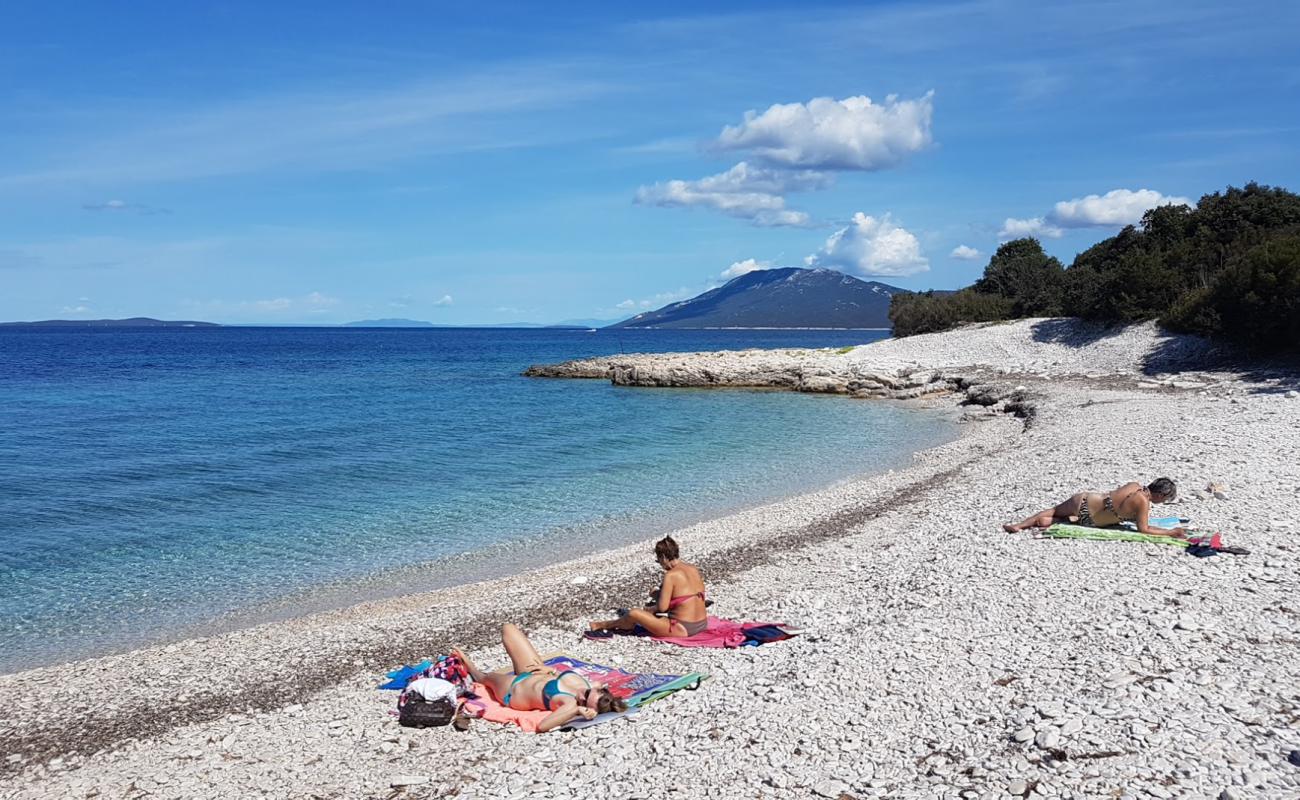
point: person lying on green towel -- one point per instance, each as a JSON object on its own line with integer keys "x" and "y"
{"x": 1130, "y": 502}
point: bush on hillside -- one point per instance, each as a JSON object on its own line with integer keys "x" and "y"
{"x": 927, "y": 312}
{"x": 1226, "y": 269}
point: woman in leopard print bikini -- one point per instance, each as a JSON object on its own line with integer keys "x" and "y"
{"x": 1130, "y": 502}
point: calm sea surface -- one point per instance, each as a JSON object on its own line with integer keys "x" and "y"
{"x": 157, "y": 483}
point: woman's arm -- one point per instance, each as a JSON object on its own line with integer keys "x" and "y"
{"x": 562, "y": 716}
{"x": 1143, "y": 526}
{"x": 665, "y": 594}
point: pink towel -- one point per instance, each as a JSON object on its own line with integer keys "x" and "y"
{"x": 719, "y": 633}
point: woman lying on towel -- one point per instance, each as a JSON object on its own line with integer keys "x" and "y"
{"x": 534, "y": 686}
{"x": 680, "y": 598}
{"x": 1129, "y": 503}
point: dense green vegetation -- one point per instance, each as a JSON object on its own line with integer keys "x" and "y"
{"x": 1229, "y": 269}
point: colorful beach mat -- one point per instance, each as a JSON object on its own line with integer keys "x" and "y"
{"x": 636, "y": 688}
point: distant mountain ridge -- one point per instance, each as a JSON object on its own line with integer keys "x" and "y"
{"x": 787, "y": 297}
{"x": 131, "y": 322}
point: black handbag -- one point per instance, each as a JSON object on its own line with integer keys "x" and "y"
{"x": 413, "y": 711}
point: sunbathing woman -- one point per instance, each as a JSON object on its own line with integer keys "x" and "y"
{"x": 535, "y": 686}
{"x": 680, "y": 597}
{"x": 1130, "y": 502}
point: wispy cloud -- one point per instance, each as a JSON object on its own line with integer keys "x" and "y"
{"x": 123, "y": 206}
{"x": 338, "y": 130}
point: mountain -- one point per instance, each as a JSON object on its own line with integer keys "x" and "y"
{"x": 389, "y": 323}
{"x": 133, "y": 322}
{"x": 788, "y": 297}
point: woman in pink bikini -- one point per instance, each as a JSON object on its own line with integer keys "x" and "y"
{"x": 681, "y": 599}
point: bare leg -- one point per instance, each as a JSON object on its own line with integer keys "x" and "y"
{"x": 1042, "y": 519}
{"x": 523, "y": 656}
{"x": 658, "y": 626}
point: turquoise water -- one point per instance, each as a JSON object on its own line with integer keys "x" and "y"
{"x": 163, "y": 482}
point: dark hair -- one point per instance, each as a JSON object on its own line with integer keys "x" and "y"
{"x": 607, "y": 702}
{"x": 1163, "y": 487}
{"x": 666, "y": 549}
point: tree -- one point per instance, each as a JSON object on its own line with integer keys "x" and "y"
{"x": 1031, "y": 279}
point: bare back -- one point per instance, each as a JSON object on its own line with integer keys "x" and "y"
{"x": 684, "y": 580}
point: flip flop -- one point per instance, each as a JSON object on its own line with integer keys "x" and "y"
{"x": 605, "y": 634}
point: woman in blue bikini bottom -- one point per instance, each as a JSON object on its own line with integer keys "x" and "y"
{"x": 535, "y": 686}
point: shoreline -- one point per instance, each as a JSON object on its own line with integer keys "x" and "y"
{"x": 932, "y": 639}
{"x": 496, "y": 561}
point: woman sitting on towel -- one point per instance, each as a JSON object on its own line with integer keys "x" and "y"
{"x": 533, "y": 686}
{"x": 678, "y": 608}
{"x": 1129, "y": 503}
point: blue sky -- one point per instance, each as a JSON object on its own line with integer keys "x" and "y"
{"x": 256, "y": 162}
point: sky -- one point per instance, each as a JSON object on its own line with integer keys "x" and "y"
{"x": 271, "y": 163}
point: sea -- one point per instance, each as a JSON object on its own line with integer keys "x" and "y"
{"x": 159, "y": 483}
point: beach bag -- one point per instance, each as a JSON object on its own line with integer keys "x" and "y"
{"x": 413, "y": 711}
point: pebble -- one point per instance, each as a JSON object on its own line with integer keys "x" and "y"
{"x": 408, "y": 780}
{"x": 1048, "y": 737}
{"x": 1024, "y": 734}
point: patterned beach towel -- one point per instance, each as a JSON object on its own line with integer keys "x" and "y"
{"x": 637, "y": 688}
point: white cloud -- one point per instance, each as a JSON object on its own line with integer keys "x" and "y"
{"x": 445, "y": 300}
{"x": 744, "y": 191}
{"x": 313, "y": 303}
{"x": 828, "y": 134}
{"x": 1116, "y": 208}
{"x": 627, "y": 305}
{"x": 964, "y": 253}
{"x": 1113, "y": 209}
{"x": 79, "y": 309}
{"x": 122, "y": 205}
{"x": 744, "y": 267}
{"x": 1037, "y": 226}
{"x": 873, "y": 247}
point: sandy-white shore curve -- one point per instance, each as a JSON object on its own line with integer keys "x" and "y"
{"x": 944, "y": 659}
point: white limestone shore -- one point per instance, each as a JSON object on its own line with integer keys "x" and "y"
{"x": 944, "y": 658}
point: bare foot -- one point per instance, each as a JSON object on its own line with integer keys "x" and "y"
{"x": 1009, "y": 528}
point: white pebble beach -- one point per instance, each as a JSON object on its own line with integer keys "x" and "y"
{"x": 942, "y": 657}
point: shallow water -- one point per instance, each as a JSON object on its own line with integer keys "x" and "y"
{"x": 160, "y": 482}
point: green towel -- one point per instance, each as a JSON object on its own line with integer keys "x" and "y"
{"x": 1063, "y": 531}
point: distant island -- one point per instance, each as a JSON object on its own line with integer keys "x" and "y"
{"x": 132, "y": 322}
{"x": 788, "y": 297}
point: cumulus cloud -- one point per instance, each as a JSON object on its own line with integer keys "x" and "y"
{"x": 872, "y": 247}
{"x": 744, "y": 191}
{"x": 445, "y": 300}
{"x": 744, "y": 267}
{"x": 1036, "y": 226}
{"x": 1116, "y": 208}
{"x": 829, "y": 134}
{"x": 963, "y": 253}
{"x": 1113, "y": 209}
